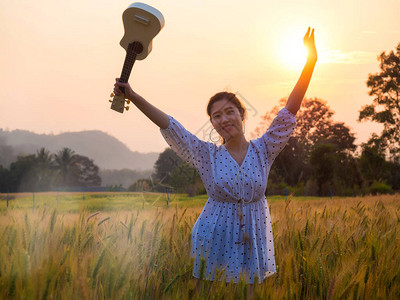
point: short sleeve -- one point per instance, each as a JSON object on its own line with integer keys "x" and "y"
{"x": 275, "y": 138}
{"x": 185, "y": 144}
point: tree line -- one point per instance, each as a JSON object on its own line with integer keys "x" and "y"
{"x": 44, "y": 171}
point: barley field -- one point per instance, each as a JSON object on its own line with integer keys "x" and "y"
{"x": 132, "y": 246}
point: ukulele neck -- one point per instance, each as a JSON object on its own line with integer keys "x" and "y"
{"x": 133, "y": 49}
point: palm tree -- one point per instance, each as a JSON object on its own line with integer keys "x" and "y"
{"x": 44, "y": 166}
{"x": 64, "y": 163}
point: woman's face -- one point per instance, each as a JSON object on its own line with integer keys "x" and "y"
{"x": 226, "y": 119}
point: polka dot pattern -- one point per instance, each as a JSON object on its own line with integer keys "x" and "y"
{"x": 234, "y": 229}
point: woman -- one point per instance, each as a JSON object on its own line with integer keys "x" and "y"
{"x": 233, "y": 231}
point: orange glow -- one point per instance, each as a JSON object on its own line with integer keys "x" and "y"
{"x": 60, "y": 59}
{"x": 290, "y": 49}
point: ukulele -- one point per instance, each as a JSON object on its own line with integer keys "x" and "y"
{"x": 141, "y": 23}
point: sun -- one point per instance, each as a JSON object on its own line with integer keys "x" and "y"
{"x": 291, "y": 50}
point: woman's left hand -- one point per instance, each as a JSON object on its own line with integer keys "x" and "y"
{"x": 309, "y": 42}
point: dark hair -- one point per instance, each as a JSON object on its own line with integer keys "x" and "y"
{"x": 231, "y": 97}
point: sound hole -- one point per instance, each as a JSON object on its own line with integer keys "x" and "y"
{"x": 138, "y": 47}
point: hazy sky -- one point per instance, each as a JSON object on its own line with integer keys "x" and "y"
{"x": 59, "y": 60}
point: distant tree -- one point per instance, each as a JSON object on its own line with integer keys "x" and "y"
{"x": 37, "y": 172}
{"x": 348, "y": 179}
{"x": 44, "y": 169}
{"x": 64, "y": 162}
{"x": 323, "y": 160}
{"x": 84, "y": 172}
{"x": 185, "y": 178}
{"x": 375, "y": 167}
{"x": 291, "y": 166}
{"x": 44, "y": 159}
{"x": 29, "y": 173}
{"x": 22, "y": 175}
{"x": 171, "y": 170}
{"x": 314, "y": 120}
{"x": 372, "y": 163}
{"x": 7, "y": 155}
{"x": 394, "y": 174}
{"x": 4, "y": 175}
{"x": 385, "y": 107}
{"x": 315, "y": 125}
{"x": 166, "y": 163}
{"x": 115, "y": 188}
{"x": 141, "y": 185}
{"x": 336, "y": 133}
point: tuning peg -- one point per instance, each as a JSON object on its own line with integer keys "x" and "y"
{"x": 110, "y": 100}
{"x": 112, "y": 95}
{"x": 128, "y": 101}
{"x": 127, "y": 107}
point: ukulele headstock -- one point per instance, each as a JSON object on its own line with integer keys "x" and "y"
{"x": 118, "y": 103}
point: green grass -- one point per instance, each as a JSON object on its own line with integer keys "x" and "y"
{"x": 112, "y": 201}
{"x": 75, "y": 202}
{"x": 132, "y": 246}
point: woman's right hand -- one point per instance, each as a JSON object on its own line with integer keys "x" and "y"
{"x": 129, "y": 93}
{"x": 309, "y": 42}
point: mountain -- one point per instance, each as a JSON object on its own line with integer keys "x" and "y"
{"x": 106, "y": 151}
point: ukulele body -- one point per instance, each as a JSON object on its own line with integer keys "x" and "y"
{"x": 141, "y": 24}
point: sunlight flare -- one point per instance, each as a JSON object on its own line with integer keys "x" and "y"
{"x": 290, "y": 49}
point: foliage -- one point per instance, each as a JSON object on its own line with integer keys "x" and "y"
{"x": 44, "y": 171}
{"x": 323, "y": 161}
{"x": 291, "y": 165}
{"x": 141, "y": 185}
{"x": 315, "y": 128}
{"x": 380, "y": 188}
{"x": 185, "y": 178}
{"x": 393, "y": 177}
{"x": 22, "y": 174}
{"x": 65, "y": 162}
{"x": 3, "y": 179}
{"x": 385, "y": 107}
{"x": 376, "y": 168}
{"x": 372, "y": 163}
{"x": 7, "y": 155}
{"x": 171, "y": 170}
{"x": 115, "y": 188}
{"x": 348, "y": 179}
{"x": 86, "y": 172}
{"x": 167, "y": 161}
{"x": 315, "y": 124}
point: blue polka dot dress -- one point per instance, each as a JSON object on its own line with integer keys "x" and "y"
{"x": 234, "y": 231}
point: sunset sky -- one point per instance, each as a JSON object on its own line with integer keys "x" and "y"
{"x": 59, "y": 60}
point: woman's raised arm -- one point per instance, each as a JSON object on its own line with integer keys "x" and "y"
{"x": 296, "y": 96}
{"x": 153, "y": 113}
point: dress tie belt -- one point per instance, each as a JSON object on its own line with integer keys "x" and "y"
{"x": 239, "y": 200}
{"x": 207, "y": 232}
